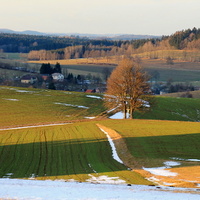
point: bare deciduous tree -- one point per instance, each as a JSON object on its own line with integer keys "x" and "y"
{"x": 127, "y": 88}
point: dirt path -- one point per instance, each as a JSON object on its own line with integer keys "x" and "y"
{"x": 121, "y": 147}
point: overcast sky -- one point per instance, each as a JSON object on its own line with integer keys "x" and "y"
{"x": 151, "y": 17}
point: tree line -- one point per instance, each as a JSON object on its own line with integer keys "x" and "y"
{"x": 21, "y": 43}
{"x": 46, "y": 68}
{"x": 80, "y": 51}
{"x": 185, "y": 39}
{"x": 56, "y": 48}
{"x": 182, "y": 40}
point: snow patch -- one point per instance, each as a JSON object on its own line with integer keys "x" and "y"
{"x": 92, "y": 168}
{"x": 71, "y": 180}
{"x": 161, "y": 171}
{"x": 182, "y": 159}
{"x": 22, "y": 127}
{"x": 65, "y": 104}
{"x": 89, "y": 117}
{"x": 169, "y": 164}
{"x": 94, "y": 97}
{"x": 105, "y": 180}
{"x": 145, "y": 103}
{"x": 8, "y": 175}
{"x": 32, "y": 177}
{"x": 12, "y": 99}
{"x": 23, "y": 91}
{"x": 193, "y": 160}
{"x": 55, "y": 190}
{"x": 67, "y": 92}
{"x": 114, "y": 152}
{"x": 118, "y": 115}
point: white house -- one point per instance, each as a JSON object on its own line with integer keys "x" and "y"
{"x": 58, "y": 77}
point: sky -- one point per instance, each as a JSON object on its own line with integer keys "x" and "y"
{"x": 144, "y": 17}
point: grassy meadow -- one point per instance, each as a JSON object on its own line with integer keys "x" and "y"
{"x": 152, "y": 142}
{"x": 80, "y": 150}
{"x": 25, "y": 106}
{"x": 75, "y": 151}
{"x": 172, "y": 108}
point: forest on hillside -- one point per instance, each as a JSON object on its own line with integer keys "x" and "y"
{"x": 22, "y": 43}
{"x": 181, "y": 40}
{"x": 58, "y": 48}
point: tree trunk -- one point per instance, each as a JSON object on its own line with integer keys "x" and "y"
{"x": 125, "y": 111}
{"x": 131, "y": 113}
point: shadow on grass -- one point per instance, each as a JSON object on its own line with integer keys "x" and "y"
{"x": 151, "y": 151}
{"x": 72, "y": 157}
{"x": 57, "y": 158}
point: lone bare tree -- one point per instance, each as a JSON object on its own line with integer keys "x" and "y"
{"x": 127, "y": 88}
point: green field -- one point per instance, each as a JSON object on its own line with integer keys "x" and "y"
{"x": 13, "y": 56}
{"x": 169, "y": 108}
{"x": 23, "y": 106}
{"x": 74, "y": 151}
{"x": 80, "y": 150}
{"x": 152, "y": 142}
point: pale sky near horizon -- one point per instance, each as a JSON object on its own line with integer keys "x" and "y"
{"x": 145, "y": 17}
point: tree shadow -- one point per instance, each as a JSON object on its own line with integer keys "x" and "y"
{"x": 73, "y": 157}
{"x": 57, "y": 158}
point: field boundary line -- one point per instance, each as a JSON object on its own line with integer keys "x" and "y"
{"x": 35, "y": 126}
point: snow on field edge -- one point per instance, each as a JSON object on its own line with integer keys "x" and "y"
{"x": 56, "y": 190}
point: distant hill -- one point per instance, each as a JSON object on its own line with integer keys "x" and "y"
{"x": 7, "y": 31}
{"x": 114, "y": 36}
{"x": 90, "y": 36}
{"x": 134, "y": 37}
{"x": 27, "y": 32}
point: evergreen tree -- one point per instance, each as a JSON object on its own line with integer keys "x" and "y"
{"x": 51, "y": 86}
{"x": 57, "y": 68}
{"x": 46, "y": 69}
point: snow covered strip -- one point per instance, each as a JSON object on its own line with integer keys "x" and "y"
{"x": 22, "y": 127}
{"x": 94, "y": 97}
{"x": 65, "y": 104}
{"x": 114, "y": 152}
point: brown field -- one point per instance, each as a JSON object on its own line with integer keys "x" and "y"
{"x": 180, "y": 71}
{"x": 195, "y": 94}
{"x": 106, "y": 61}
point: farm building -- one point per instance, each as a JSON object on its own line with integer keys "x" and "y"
{"x": 45, "y": 77}
{"x": 58, "y": 77}
{"x": 28, "y": 78}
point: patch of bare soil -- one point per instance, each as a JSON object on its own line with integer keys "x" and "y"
{"x": 185, "y": 178}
